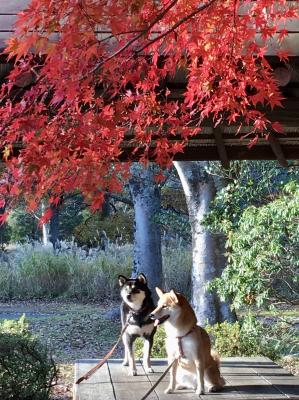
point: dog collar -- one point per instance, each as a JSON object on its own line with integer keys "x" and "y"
{"x": 136, "y": 318}
{"x": 180, "y": 344}
{"x": 132, "y": 311}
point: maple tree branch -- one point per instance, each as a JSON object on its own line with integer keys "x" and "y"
{"x": 134, "y": 39}
{"x": 121, "y": 199}
{"x": 176, "y": 25}
{"x": 234, "y": 29}
{"x": 119, "y": 34}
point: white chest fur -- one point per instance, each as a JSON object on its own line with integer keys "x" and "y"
{"x": 144, "y": 330}
{"x": 187, "y": 346}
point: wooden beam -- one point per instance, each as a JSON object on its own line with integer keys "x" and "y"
{"x": 277, "y": 150}
{"x": 5, "y": 69}
{"x": 221, "y": 147}
{"x": 202, "y": 151}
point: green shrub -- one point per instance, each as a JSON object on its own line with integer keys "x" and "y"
{"x": 262, "y": 242}
{"x": 5, "y": 235}
{"x": 8, "y": 282}
{"x": 39, "y": 273}
{"x": 177, "y": 265}
{"x": 97, "y": 279}
{"x": 26, "y": 370}
{"x": 118, "y": 228}
{"x": 250, "y": 337}
{"x": 23, "y": 225}
{"x": 158, "y": 350}
{"x": 44, "y": 275}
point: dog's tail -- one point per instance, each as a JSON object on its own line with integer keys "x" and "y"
{"x": 216, "y": 358}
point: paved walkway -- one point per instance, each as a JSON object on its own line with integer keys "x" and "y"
{"x": 246, "y": 378}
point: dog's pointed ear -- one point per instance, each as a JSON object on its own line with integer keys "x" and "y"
{"x": 142, "y": 279}
{"x": 122, "y": 280}
{"x": 159, "y": 292}
{"x": 173, "y": 296}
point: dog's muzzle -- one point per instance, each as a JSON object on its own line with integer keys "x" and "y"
{"x": 159, "y": 321}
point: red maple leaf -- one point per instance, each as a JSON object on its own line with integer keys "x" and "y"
{"x": 277, "y": 127}
{"x": 103, "y": 75}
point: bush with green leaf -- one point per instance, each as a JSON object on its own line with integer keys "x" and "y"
{"x": 27, "y": 372}
{"x": 158, "y": 349}
{"x": 177, "y": 267}
{"x": 39, "y": 273}
{"x": 174, "y": 223}
{"x": 23, "y": 225}
{"x": 248, "y": 183}
{"x": 247, "y": 337}
{"x": 44, "y": 275}
{"x": 251, "y": 337}
{"x": 263, "y": 259}
{"x": 118, "y": 228}
{"x": 5, "y": 235}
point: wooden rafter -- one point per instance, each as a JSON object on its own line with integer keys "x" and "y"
{"x": 221, "y": 147}
{"x": 277, "y": 150}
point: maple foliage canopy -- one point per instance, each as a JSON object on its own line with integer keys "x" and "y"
{"x": 99, "y": 69}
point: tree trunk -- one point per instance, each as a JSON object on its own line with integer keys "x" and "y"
{"x": 207, "y": 248}
{"x": 147, "y": 236}
{"x": 3, "y": 229}
{"x": 45, "y": 229}
{"x": 54, "y": 231}
{"x": 106, "y": 207}
{"x": 105, "y": 213}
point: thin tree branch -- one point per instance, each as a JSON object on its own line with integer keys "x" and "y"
{"x": 121, "y": 199}
{"x": 134, "y": 39}
{"x": 176, "y": 25}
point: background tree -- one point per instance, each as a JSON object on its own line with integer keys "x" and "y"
{"x": 147, "y": 233}
{"x": 5, "y": 234}
{"x": 207, "y": 248}
{"x": 23, "y": 225}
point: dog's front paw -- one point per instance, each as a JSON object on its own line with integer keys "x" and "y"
{"x": 132, "y": 372}
{"x": 200, "y": 391}
{"x": 125, "y": 363}
{"x": 180, "y": 387}
{"x": 212, "y": 389}
{"x": 168, "y": 390}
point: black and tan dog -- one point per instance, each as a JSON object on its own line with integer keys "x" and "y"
{"x": 135, "y": 308}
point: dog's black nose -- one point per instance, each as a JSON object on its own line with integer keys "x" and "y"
{"x": 152, "y": 316}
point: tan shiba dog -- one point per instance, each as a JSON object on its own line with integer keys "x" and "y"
{"x": 188, "y": 344}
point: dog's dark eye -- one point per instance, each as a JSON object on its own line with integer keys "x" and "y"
{"x": 164, "y": 306}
